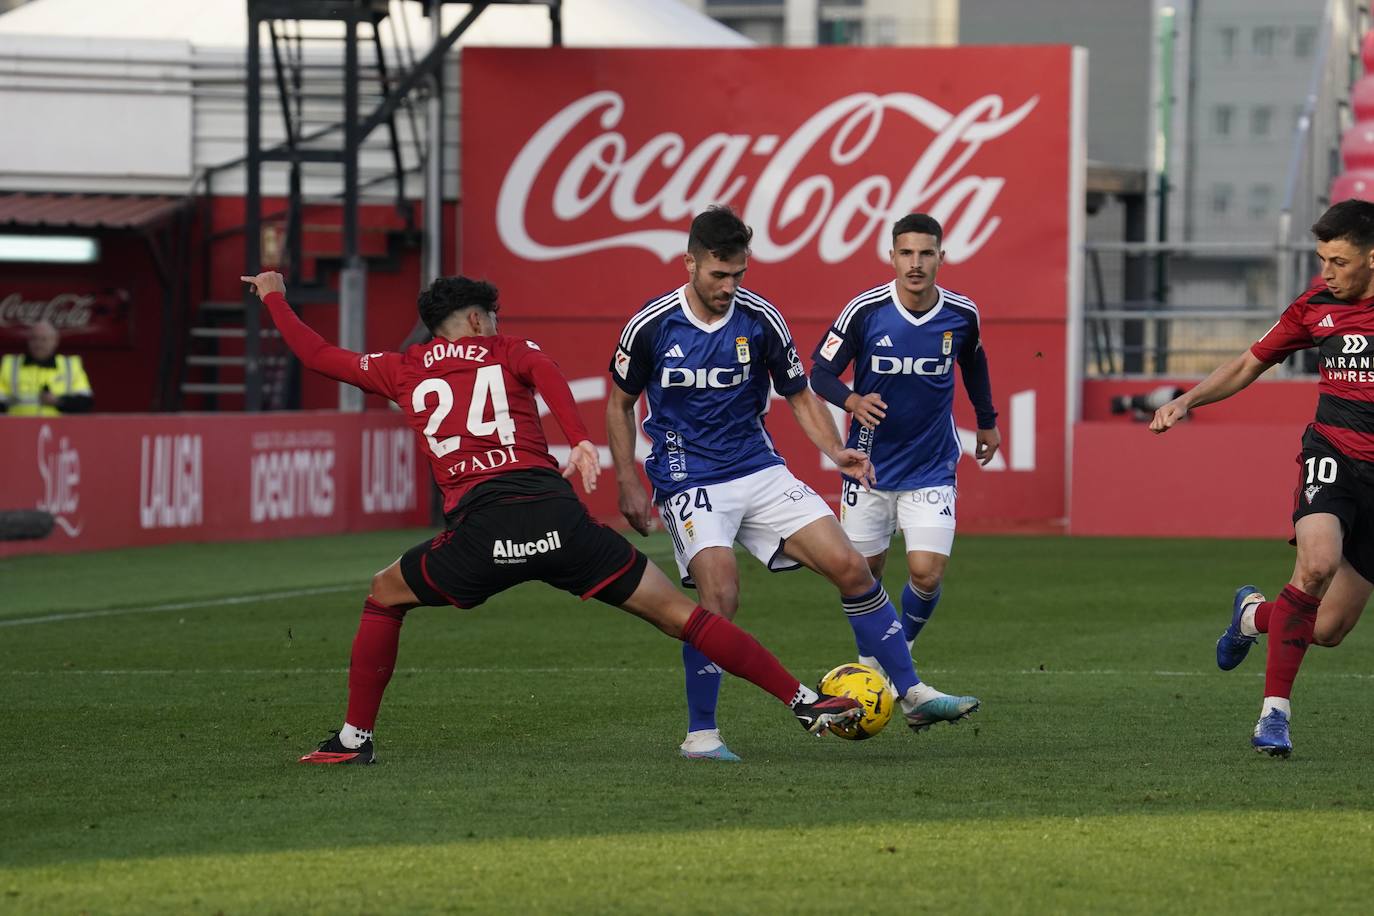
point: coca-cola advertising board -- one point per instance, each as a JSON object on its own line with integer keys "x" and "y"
{"x": 133, "y": 480}
{"x": 583, "y": 169}
{"x": 84, "y": 316}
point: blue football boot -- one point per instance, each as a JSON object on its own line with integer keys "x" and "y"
{"x": 941, "y": 709}
{"x": 1271, "y": 735}
{"x": 706, "y": 745}
{"x": 1233, "y": 645}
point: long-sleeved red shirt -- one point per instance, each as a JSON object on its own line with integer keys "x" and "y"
{"x": 470, "y": 400}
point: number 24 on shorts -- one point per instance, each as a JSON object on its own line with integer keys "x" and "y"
{"x": 688, "y": 500}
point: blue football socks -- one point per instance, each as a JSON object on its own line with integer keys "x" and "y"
{"x": 703, "y": 689}
{"x": 917, "y": 607}
{"x": 878, "y": 634}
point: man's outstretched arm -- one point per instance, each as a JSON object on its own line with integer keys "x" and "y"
{"x": 310, "y": 348}
{"x": 1224, "y": 381}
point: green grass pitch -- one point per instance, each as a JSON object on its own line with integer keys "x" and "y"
{"x": 155, "y": 702}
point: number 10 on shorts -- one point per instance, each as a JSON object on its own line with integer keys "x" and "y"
{"x": 1321, "y": 470}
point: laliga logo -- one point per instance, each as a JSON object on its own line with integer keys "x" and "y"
{"x": 706, "y": 174}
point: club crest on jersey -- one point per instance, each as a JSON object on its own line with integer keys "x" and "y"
{"x": 742, "y": 349}
{"x": 1310, "y": 492}
{"x": 831, "y": 345}
{"x": 947, "y": 345}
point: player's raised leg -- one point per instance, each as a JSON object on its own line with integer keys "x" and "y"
{"x": 823, "y": 546}
{"x": 655, "y": 600}
{"x": 371, "y": 664}
{"x": 1241, "y": 633}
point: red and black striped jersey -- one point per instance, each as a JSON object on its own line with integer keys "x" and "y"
{"x": 471, "y": 400}
{"x": 1343, "y": 333}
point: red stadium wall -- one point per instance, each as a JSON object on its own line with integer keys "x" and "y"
{"x": 132, "y": 481}
{"x": 588, "y": 166}
{"x": 1227, "y": 471}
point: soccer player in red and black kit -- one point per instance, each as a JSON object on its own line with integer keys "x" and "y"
{"x": 469, "y": 393}
{"x": 1333, "y": 514}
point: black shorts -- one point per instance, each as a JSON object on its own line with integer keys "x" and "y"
{"x": 1330, "y": 482}
{"x": 549, "y": 539}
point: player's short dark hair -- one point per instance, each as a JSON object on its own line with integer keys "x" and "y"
{"x": 923, "y": 223}
{"x": 1351, "y": 220}
{"x": 447, "y": 295}
{"x": 721, "y": 232}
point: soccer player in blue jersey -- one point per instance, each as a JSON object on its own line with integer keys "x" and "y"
{"x": 904, "y": 338}
{"x": 704, "y": 354}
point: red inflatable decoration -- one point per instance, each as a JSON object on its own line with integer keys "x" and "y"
{"x": 1358, "y": 184}
{"x": 1357, "y": 146}
{"x": 1362, "y": 98}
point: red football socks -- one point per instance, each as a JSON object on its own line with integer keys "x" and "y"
{"x": 735, "y": 651}
{"x": 1290, "y": 623}
{"x": 373, "y": 660}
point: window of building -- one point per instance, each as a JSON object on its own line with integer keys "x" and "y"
{"x": 1222, "y": 116}
{"x": 884, "y": 30}
{"x": 1222, "y": 195}
{"x": 1261, "y": 120}
{"x": 1260, "y": 196}
{"x": 1226, "y": 41}
{"x": 1304, "y": 41}
{"x": 1262, "y": 40}
{"x": 840, "y": 32}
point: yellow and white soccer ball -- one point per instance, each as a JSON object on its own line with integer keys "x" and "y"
{"x": 867, "y": 686}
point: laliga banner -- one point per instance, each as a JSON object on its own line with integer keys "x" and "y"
{"x": 583, "y": 169}
{"x": 128, "y": 481}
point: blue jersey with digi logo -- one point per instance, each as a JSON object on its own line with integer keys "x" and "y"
{"x": 908, "y": 358}
{"x": 707, "y": 386}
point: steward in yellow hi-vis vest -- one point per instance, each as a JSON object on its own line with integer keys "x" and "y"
{"x": 41, "y": 383}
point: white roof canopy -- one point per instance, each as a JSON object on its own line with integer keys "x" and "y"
{"x": 224, "y": 23}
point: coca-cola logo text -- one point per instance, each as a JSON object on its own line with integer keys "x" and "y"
{"x": 70, "y": 313}
{"x": 788, "y": 207}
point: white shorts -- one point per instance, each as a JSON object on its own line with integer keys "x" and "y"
{"x": 759, "y": 510}
{"x": 926, "y": 517}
